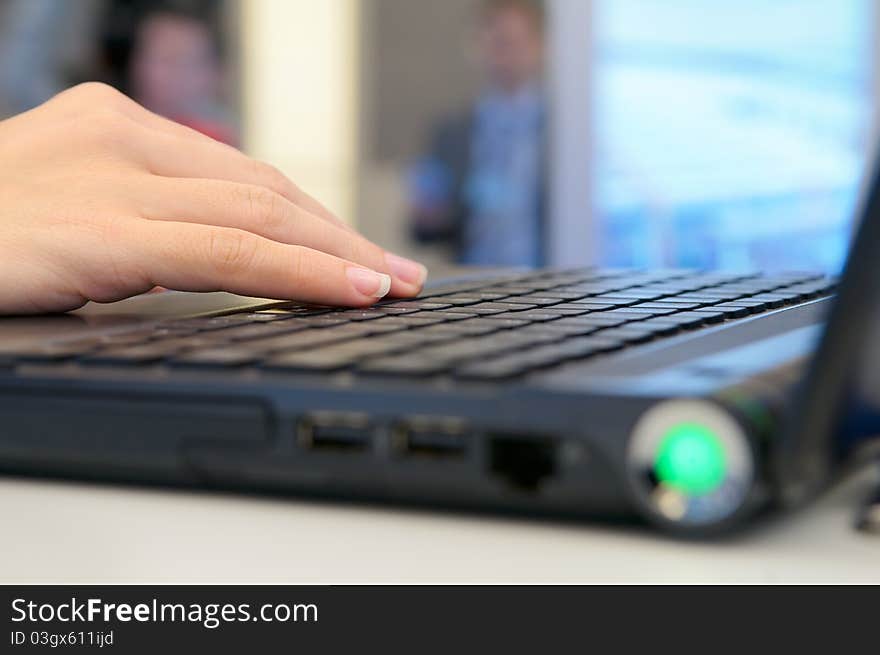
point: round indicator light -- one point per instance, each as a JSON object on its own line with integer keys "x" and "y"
{"x": 690, "y": 458}
{"x": 690, "y": 461}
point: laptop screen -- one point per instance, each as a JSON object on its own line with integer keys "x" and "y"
{"x": 730, "y": 142}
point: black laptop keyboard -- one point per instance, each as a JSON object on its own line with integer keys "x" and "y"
{"x": 491, "y": 329}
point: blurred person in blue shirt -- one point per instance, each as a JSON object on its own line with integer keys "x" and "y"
{"x": 481, "y": 186}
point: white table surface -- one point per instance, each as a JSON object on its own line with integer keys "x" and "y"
{"x": 79, "y": 533}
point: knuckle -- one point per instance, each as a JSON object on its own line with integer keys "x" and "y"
{"x": 302, "y": 267}
{"x": 99, "y": 105}
{"x": 96, "y": 92}
{"x": 106, "y": 119}
{"x": 113, "y": 273}
{"x": 272, "y": 177}
{"x": 231, "y": 252}
{"x": 264, "y": 207}
{"x": 113, "y": 230}
{"x": 109, "y": 130}
{"x": 95, "y": 89}
{"x": 354, "y": 247}
{"x": 366, "y": 251}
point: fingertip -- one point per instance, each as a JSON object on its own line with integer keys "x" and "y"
{"x": 406, "y": 270}
{"x": 368, "y": 283}
{"x": 408, "y": 276}
{"x": 402, "y": 290}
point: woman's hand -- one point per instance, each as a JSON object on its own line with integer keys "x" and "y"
{"x": 101, "y": 199}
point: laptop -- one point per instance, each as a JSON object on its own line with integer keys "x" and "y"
{"x": 694, "y": 401}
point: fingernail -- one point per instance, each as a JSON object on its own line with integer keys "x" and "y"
{"x": 369, "y": 283}
{"x": 406, "y": 269}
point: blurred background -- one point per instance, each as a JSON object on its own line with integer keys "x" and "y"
{"x": 508, "y": 132}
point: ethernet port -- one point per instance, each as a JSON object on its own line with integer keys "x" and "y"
{"x": 524, "y": 462}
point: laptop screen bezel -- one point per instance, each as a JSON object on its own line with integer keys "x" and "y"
{"x": 806, "y": 458}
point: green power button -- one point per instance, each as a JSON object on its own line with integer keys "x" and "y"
{"x": 690, "y": 459}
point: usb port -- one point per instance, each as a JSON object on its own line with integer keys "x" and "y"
{"x": 335, "y": 431}
{"x": 430, "y": 437}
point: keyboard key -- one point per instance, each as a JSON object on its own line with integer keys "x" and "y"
{"x": 360, "y": 314}
{"x": 635, "y": 295}
{"x": 536, "y": 359}
{"x": 412, "y": 321}
{"x": 614, "y": 315}
{"x": 473, "y": 348}
{"x": 475, "y": 326}
{"x": 598, "y": 343}
{"x": 335, "y": 358}
{"x": 460, "y": 301}
{"x": 127, "y": 338}
{"x": 594, "y": 306}
{"x": 131, "y": 355}
{"x": 404, "y": 366}
{"x": 200, "y": 340}
{"x": 447, "y": 315}
{"x": 659, "y": 327}
{"x": 734, "y": 310}
{"x": 533, "y": 300}
{"x": 209, "y": 322}
{"x": 50, "y": 352}
{"x": 320, "y": 320}
{"x": 565, "y": 295}
{"x": 755, "y": 305}
{"x": 396, "y": 310}
{"x": 319, "y": 361}
{"x": 163, "y": 331}
{"x": 774, "y": 300}
{"x": 568, "y": 310}
{"x": 521, "y": 289}
{"x": 695, "y": 303}
{"x": 260, "y": 330}
{"x": 711, "y": 298}
{"x": 557, "y": 328}
{"x": 596, "y": 319}
{"x": 538, "y": 334}
{"x": 265, "y": 317}
{"x": 216, "y": 358}
{"x": 508, "y": 322}
{"x": 296, "y": 309}
{"x": 639, "y": 312}
{"x": 455, "y": 330}
{"x": 428, "y": 336}
{"x": 628, "y": 334}
{"x": 710, "y": 315}
{"x": 489, "y": 371}
{"x": 418, "y": 304}
{"x": 673, "y": 305}
{"x": 684, "y": 320}
{"x": 532, "y": 315}
{"x": 488, "y": 308}
{"x": 305, "y": 339}
{"x": 455, "y": 289}
{"x": 370, "y": 328}
{"x": 490, "y": 295}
